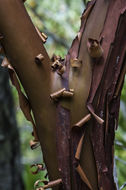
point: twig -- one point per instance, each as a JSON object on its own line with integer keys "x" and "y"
{"x": 124, "y": 185}
{"x": 120, "y": 144}
{"x": 120, "y": 160}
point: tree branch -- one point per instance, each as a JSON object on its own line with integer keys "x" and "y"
{"x": 22, "y": 45}
{"x": 124, "y": 185}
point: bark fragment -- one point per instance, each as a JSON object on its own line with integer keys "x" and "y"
{"x": 96, "y": 82}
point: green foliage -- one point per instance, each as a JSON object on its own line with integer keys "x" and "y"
{"x": 29, "y": 178}
{"x": 120, "y": 143}
{"x": 58, "y": 18}
{"x": 61, "y": 20}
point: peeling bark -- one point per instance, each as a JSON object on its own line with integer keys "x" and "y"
{"x": 94, "y": 69}
{"x": 10, "y": 163}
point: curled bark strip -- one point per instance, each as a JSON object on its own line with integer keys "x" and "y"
{"x": 23, "y": 101}
{"x": 5, "y": 62}
{"x": 84, "y": 18}
{"x": 68, "y": 94}
{"x": 62, "y": 93}
{"x": 44, "y": 35}
{"x": 57, "y": 94}
{"x": 120, "y": 82}
{"x": 34, "y": 144}
{"x": 88, "y": 10}
{"x": 61, "y": 70}
{"x": 105, "y": 81}
{"x": 49, "y": 184}
{"x": 108, "y": 32}
{"x": 75, "y": 63}
{"x": 56, "y": 65}
{"x": 98, "y": 119}
{"x": 53, "y": 183}
{"x": 21, "y": 44}
{"x": 83, "y": 121}
{"x": 79, "y": 148}
{"x": 38, "y": 182}
{"x": 76, "y": 42}
{"x": 104, "y": 75}
{"x": 83, "y": 176}
{"x": 94, "y": 48}
{"x": 39, "y": 58}
{"x": 56, "y": 57}
{"x": 38, "y": 168}
{"x": 41, "y": 35}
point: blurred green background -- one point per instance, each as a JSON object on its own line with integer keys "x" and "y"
{"x": 60, "y": 20}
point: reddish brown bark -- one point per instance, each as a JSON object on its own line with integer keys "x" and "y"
{"x": 94, "y": 71}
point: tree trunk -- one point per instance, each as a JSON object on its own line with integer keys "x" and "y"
{"x": 76, "y": 104}
{"x": 10, "y": 165}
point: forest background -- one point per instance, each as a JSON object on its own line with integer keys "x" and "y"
{"x": 60, "y": 21}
